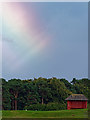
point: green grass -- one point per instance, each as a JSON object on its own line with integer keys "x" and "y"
{"x": 0, "y": 114}
{"x": 75, "y": 113}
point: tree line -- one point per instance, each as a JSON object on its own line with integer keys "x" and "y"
{"x": 40, "y": 93}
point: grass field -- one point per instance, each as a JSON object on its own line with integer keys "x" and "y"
{"x": 75, "y": 113}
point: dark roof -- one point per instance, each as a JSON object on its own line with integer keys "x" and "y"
{"x": 76, "y": 97}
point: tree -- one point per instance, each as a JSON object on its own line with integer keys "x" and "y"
{"x": 43, "y": 90}
{"x": 74, "y": 81}
{"x": 28, "y": 95}
{"x": 14, "y": 89}
{"x": 6, "y": 101}
{"x": 81, "y": 86}
{"x": 68, "y": 85}
{"x": 59, "y": 90}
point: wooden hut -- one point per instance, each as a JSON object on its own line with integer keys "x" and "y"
{"x": 76, "y": 101}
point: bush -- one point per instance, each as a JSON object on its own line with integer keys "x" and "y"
{"x": 56, "y": 106}
{"x": 46, "y": 107}
{"x": 38, "y": 107}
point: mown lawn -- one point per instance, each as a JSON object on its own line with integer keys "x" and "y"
{"x": 75, "y": 113}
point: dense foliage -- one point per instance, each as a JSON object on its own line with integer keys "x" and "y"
{"x": 41, "y": 93}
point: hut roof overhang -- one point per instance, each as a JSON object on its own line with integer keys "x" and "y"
{"x": 77, "y": 97}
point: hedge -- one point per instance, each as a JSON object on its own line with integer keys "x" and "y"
{"x": 46, "y": 107}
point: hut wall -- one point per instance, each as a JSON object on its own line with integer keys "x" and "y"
{"x": 76, "y": 104}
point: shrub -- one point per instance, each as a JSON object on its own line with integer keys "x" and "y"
{"x": 46, "y": 107}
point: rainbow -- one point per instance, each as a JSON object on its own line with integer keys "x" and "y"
{"x": 19, "y": 26}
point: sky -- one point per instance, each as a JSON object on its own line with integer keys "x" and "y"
{"x": 45, "y": 39}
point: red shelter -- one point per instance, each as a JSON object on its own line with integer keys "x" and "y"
{"x": 76, "y": 101}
